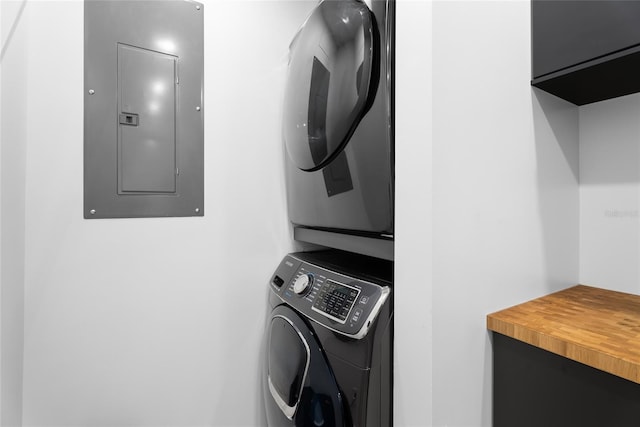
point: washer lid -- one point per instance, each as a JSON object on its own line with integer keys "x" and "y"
{"x": 329, "y": 83}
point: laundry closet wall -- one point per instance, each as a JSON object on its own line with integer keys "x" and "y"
{"x": 490, "y": 190}
{"x": 610, "y": 194}
{"x": 13, "y": 134}
{"x": 151, "y": 322}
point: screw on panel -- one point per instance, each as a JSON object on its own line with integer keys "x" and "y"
{"x": 197, "y": 108}
{"x": 91, "y": 91}
{"x": 92, "y": 211}
{"x": 197, "y": 210}
{"x": 198, "y": 7}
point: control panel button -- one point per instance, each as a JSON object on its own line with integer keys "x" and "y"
{"x": 277, "y": 280}
{"x": 303, "y": 283}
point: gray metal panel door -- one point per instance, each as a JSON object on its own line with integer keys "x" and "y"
{"x": 147, "y": 143}
{"x": 143, "y": 109}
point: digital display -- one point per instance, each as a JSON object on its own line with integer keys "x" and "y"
{"x": 336, "y": 300}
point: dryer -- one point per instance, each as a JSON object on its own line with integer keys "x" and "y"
{"x": 328, "y": 342}
{"x": 338, "y": 119}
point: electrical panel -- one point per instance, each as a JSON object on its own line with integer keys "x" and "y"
{"x": 143, "y": 109}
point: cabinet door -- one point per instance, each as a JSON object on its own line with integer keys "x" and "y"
{"x": 570, "y": 32}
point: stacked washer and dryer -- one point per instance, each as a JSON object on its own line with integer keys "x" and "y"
{"x": 329, "y": 335}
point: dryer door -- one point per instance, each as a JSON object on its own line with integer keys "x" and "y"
{"x": 299, "y": 386}
{"x": 329, "y": 85}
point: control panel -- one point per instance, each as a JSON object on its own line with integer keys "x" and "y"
{"x": 335, "y": 300}
{"x": 342, "y": 303}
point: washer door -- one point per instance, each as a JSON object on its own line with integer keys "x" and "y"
{"x": 299, "y": 386}
{"x": 329, "y": 84}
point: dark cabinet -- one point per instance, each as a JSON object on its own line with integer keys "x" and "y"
{"x": 586, "y": 51}
{"x": 533, "y": 388}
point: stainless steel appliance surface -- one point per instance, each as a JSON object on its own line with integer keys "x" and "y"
{"x": 327, "y": 357}
{"x": 338, "y": 119}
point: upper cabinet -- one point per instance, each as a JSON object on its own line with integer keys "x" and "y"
{"x": 586, "y": 51}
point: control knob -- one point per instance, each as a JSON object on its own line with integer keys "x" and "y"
{"x": 303, "y": 283}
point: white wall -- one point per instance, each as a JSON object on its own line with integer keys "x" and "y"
{"x": 413, "y": 299}
{"x": 13, "y": 136}
{"x": 150, "y": 322}
{"x": 505, "y": 194}
{"x": 610, "y": 194}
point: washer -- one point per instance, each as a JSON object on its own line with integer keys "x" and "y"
{"x": 338, "y": 119}
{"x": 328, "y": 341}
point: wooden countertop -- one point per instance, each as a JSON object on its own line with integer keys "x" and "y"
{"x": 596, "y": 327}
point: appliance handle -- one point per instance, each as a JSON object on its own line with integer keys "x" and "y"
{"x": 287, "y": 410}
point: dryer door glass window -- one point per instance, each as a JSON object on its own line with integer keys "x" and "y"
{"x": 329, "y": 83}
